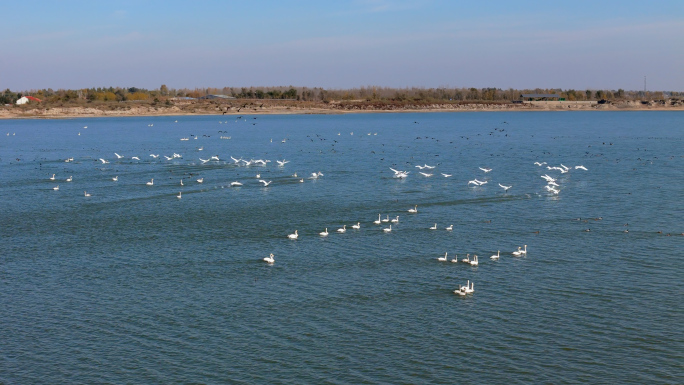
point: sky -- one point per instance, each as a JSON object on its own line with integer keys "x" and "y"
{"x": 343, "y": 44}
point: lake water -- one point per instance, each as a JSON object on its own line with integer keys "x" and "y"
{"x": 133, "y": 285}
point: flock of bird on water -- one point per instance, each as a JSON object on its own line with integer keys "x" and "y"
{"x": 552, "y": 187}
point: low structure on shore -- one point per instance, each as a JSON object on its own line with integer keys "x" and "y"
{"x": 540, "y": 97}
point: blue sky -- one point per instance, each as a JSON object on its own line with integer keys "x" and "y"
{"x": 343, "y": 44}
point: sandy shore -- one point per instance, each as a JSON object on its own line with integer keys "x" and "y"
{"x": 249, "y": 108}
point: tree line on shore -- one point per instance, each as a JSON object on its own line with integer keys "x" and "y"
{"x": 167, "y": 95}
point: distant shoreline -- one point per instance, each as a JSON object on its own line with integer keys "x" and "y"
{"x": 295, "y": 108}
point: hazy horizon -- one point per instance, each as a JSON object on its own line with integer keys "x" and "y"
{"x": 607, "y": 45}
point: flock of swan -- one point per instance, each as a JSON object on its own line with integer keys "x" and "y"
{"x": 237, "y": 162}
{"x": 469, "y": 288}
{"x": 552, "y": 186}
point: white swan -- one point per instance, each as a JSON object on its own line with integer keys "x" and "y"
{"x": 179, "y": 195}
{"x": 56, "y": 188}
{"x": 343, "y": 229}
{"x": 151, "y": 182}
{"x": 485, "y": 169}
{"x": 387, "y": 230}
{"x": 154, "y": 156}
{"x": 265, "y": 183}
{"x": 104, "y": 161}
{"x": 386, "y": 219}
{"x": 434, "y": 227}
{"x": 182, "y": 182}
{"x": 466, "y": 259}
{"x": 498, "y": 254}
{"x": 116, "y": 178}
{"x": 451, "y": 227}
{"x": 324, "y": 233}
{"x": 444, "y": 258}
{"x": 580, "y": 168}
{"x": 467, "y": 289}
{"x": 85, "y": 194}
{"x": 425, "y": 174}
{"x": 454, "y": 259}
{"x": 269, "y": 259}
{"x": 414, "y": 210}
{"x": 446, "y": 175}
{"x": 69, "y": 179}
{"x": 52, "y": 177}
{"x": 293, "y": 236}
{"x": 396, "y": 220}
{"x": 283, "y": 162}
{"x": 524, "y": 252}
{"x": 474, "y": 262}
{"x": 378, "y": 221}
{"x": 200, "y": 180}
{"x": 118, "y": 156}
{"x": 357, "y": 225}
{"x": 235, "y": 184}
{"x": 504, "y": 187}
{"x": 135, "y": 158}
{"x": 517, "y": 253}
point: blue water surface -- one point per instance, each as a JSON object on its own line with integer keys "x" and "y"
{"x": 133, "y": 285}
